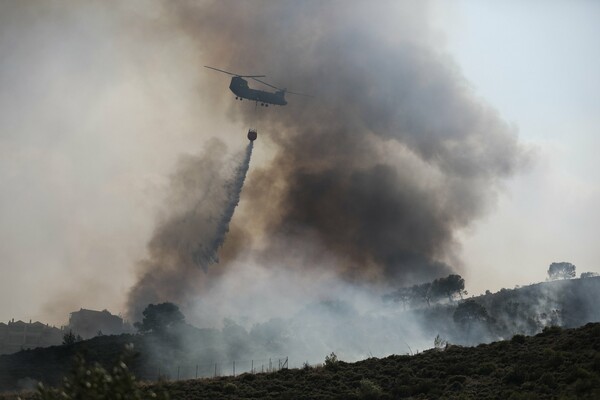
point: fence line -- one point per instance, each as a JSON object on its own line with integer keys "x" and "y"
{"x": 176, "y": 372}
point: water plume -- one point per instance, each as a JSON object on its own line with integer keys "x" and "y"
{"x": 205, "y": 253}
{"x": 203, "y": 195}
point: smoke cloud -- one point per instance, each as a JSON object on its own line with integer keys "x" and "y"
{"x": 370, "y": 180}
{"x": 365, "y": 186}
{"x": 392, "y": 156}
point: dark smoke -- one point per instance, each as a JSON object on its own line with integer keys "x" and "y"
{"x": 371, "y": 179}
{"x": 204, "y": 193}
{"x": 391, "y": 158}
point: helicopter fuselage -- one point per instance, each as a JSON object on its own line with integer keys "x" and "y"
{"x": 240, "y": 88}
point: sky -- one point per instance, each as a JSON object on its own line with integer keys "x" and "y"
{"x": 537, "y": 63}
{"x": 81, "y": 191}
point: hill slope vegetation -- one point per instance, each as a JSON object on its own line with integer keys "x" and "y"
{"x": 554, "y": 364}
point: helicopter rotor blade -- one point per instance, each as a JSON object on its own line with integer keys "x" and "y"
{"x": 298, "y": 94}
{"x": 230, "y": 73}
{"x": 282, "y": 90}
{"x": 265, "y": 83}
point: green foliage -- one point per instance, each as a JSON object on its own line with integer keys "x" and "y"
{"x": 229, "y": 388}
{"x": 561, "y": 270}
{"x": 93, "y": 382}
{"x": 439, "y": 343}
{"x": 448, "y": 287}
{"x": 331, "y": 360}
{"x": 518, "y": 339}
{"x": 470, "y": 311}
{"x": 159, "y": 318}
{"x": 551, "y": 331}
{"x": 69, "y": 338}
{"x": 516, "y": 375}
{"x": 486, "y": 368}
{"x": 559, "y": 363}
{"x": 548, "y": 379}
{"x": 368, "y": 390}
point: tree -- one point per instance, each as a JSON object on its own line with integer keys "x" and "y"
{"x": 469, "y": 312}
{"x": 159, "y": 318}
{"x": 450, "y": 287}
{"x": 402, "y": 295}
{"x": 561, "y": 270}
{"x": 69, "y": 338}
{"x": 585, "y": 275}
{"x": 439, "y": 343}
{"x": 331, "y": 361}
{"x": 423, "y": 292}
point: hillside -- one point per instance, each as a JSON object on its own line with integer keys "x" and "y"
{"x": 552, "y": 364}
{"x": 556, "y": 363}
{"x": 523, "y": 310}
{"x": 318, "y": 330}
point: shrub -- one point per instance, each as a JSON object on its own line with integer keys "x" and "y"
{"x": 368, "y": 390}
{"x": 596, "y": 363}
{"x": 439, "y": 343}
{"x": 518, "y": 339}
{"x": 331, "y": 361}
{"x": 455, "y": 387}
{"x": 554, "y": 358}
{"x": 401, "y": 391}
{"x": 96, "y": 383}
{"x": 523, "y": 396}
{"x": 515, "y": 376}
{"x": 457, "y": 378}
{"x": 229, "y": 388}
{"x": 423, "y": 386}
{"x": 551, "y": 331}
{"x": 69, "y": 338}
{"x": 248, "y": 377}
{"x": 548, "y": 380}
{"x": 486, "y": 368}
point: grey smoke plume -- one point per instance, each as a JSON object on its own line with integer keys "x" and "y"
{"x": 204, "y": 193}
{"x": 393, "y": 156}
{"x": 371, "y": 179}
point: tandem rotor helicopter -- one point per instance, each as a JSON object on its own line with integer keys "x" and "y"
{"x": 239, "y": 87}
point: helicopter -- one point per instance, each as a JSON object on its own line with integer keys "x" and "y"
{"x": 239, "y": 87}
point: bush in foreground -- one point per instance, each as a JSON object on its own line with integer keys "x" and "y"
{"x": 93, "y": 382}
